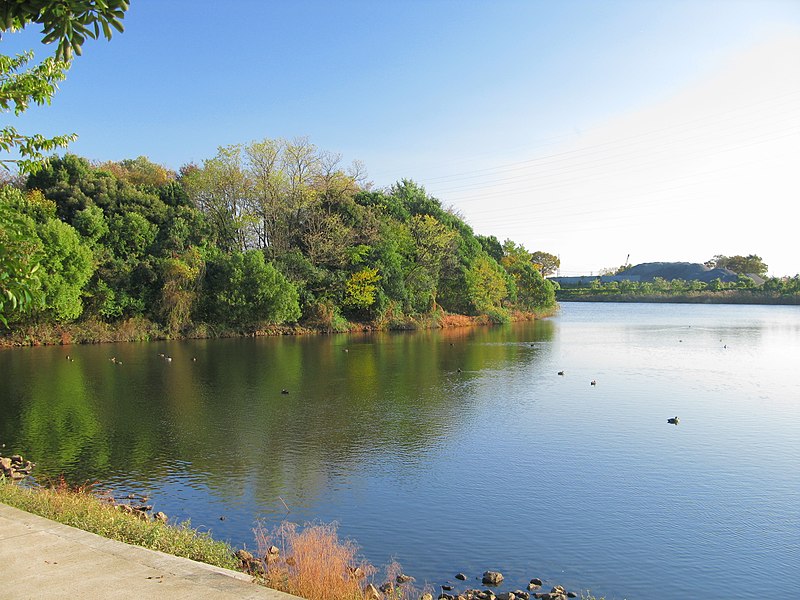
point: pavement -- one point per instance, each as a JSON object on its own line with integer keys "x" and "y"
{"x": 42, "y": 560}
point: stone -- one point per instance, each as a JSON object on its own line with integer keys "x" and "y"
{"x": 536, "y": 581}
{"x": 492, "y": 578}
{"x": 16, "y": 458}
{"x": 5, "y": 463}
{"x": 426, "y": 597}
{"x": 273, "y": 551}
{"x": 461, "y": 577}
{"x": 243, "y": 555}
{"x": 354, "y": 572}
{"x": 506, "y": 596}
{"x": 572, "y": 595}
{"x": 371, "y": 593}
{"x": 160, "y": 516}
{"x": 401, "y": 579}
{"x": 447, "y": 587}
{"x": 521, "y": 594}
{"x": 533, "y": 586}
{"x": 387, "y": 588}
{"x": 444, "y": 596}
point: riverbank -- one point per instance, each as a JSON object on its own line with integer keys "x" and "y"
{"x": 721, "y": 297}
{"x": 139, "y": 329}
{"x": 54, "y": 526}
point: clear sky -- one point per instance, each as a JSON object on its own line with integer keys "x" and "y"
{"x": 593, "y": 130}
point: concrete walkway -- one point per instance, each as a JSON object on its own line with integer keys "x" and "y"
{"x": 42, "y": 559}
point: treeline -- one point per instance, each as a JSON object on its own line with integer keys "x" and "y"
{"x": 266, "y": 233}
{"x": 774, "y": 290}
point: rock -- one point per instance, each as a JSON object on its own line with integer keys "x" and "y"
{"x": 426, "y": 597}
{"x": 522, "y": 595}
{"x": 273, "y": 552}
{"x": 447, "y": 587}
{"x": 492, "y": 578}
{"x": 506, "y": 596}
{"x": 558, "y": 589}
{"x": 533, "y": 586}
{"x": 5, "y": 463}
{"x": 160, "y": 516}
{"x": 243, "y": 555}
{"x": 387, "y": 588}
{"x": 536, "y": 581}
{"x": 572, "y": 595}
{"x": 371, "y": 593}
{"x": 444, "y": 596}
{"x": 401, "y": 579}
{"x": 16, "y": 458}
{"x": 354, "y": 572}
{"x": 461, "y": 577}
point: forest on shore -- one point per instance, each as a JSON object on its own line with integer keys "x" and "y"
{"x": 264, "y": 234}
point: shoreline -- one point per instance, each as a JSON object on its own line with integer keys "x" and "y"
{"x": 138, "y": 329}
{"x": 724, "y": 297}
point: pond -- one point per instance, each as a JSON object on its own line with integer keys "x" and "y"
{"x": 459, "y": 450}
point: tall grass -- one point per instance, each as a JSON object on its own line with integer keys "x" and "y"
{"x": 314, "y": 563}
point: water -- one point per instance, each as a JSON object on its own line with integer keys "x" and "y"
{"x": 460, "y": 450}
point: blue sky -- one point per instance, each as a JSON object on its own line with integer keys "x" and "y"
{"x": 587, "y": 129}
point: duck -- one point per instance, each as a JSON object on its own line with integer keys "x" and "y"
{"x": 561, "y": 372}
{"x": 594, "y": 382}
{"x": 284, "y": 391}
{"x": 673, "y": 421}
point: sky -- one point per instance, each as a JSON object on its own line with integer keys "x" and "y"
{"x": 597, "y": 131}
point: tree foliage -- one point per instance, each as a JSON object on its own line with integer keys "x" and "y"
{"x": 751, "y": 263}
{"x": 269, "y": 232}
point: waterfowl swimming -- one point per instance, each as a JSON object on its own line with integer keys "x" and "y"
{"x": 561, "y": 372}
{"x": 673, "y": 421}
{"x": 593, "y": 382}
{"x": 284, "y": 391}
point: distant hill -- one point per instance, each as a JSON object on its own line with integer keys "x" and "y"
{"x": 677, "y": 270}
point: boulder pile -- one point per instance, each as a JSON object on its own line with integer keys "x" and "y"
{"x": 489, "y": 578}
{"x": 15, "y": 467}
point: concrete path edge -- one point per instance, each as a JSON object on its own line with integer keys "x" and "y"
{"x": 44, "y": 559}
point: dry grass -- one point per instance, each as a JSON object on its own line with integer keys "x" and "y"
{"x": 314, "y": 563}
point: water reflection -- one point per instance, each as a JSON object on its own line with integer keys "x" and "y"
{"x": 216, "y": 409}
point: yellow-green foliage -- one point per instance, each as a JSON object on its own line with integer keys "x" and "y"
{"x": 360, "y": 289}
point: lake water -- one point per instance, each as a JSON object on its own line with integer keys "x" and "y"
{"x": 460, "y": 450}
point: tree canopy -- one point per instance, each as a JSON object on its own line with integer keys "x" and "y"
{"x": 268, "y": 232}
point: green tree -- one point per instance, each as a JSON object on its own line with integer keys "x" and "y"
{"x": 67, "y": 267}
{"x": 487, "y": 283}
{"x": 20, "y": 256}
{"x": 361, "y": 288}
{"x": 546, "y": 263}
{"x": 241, "y": 289}
{"x": 750, "y": 264}
{"x": 220, "y": 189}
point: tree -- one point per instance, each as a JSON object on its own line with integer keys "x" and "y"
{"x": 487, "y": 284}
{"x": 220, "y": 189}
{"x": 68, "y": 22}
{"x": 750, "y": 264}
{"x": 360, "y": 288}
{"x": 20, "y": 256}
{"x": 545, "y": 262}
